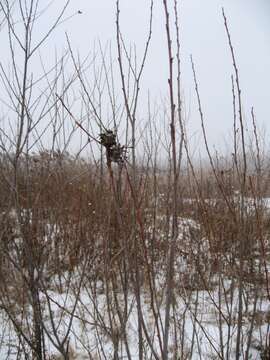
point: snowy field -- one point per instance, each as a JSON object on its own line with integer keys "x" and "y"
{"x": 199, "y": 317}
{"x": 97, "y": 319}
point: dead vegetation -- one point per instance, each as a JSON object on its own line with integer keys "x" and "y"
{"x": 108, "y": 254}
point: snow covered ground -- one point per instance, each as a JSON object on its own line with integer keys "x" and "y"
{"x": 96, "y": 319}
{"x": 203, "y": 324}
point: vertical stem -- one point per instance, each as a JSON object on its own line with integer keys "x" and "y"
{"x": 174, "y": 228}
{"x": 243, "y": 177}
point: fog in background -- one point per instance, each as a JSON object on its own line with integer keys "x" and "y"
{"x": 202, "y": 35}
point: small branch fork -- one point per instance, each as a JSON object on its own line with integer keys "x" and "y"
{"x": 90, "y": 137}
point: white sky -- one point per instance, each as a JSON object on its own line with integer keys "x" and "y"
{"x": 202, "y": 35}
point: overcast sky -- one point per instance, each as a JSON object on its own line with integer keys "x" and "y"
{"x": 202, "y": 35}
